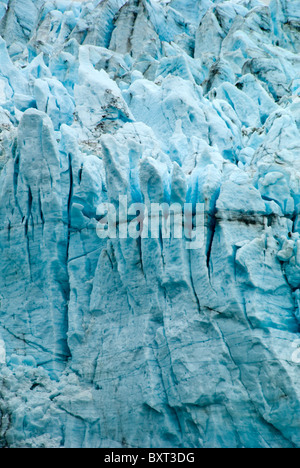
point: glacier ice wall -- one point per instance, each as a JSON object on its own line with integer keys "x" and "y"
{"x": 143, "y": 343}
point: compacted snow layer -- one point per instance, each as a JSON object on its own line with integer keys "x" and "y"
{"x": 142, "y": 342}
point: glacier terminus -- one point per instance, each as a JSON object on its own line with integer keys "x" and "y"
{"x": 138, "y": 341}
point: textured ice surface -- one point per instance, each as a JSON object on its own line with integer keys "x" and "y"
{"x": 143, "y": 343}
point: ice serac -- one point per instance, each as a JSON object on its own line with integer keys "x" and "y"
{"x": 35, "y": 187}
{"x": 143, "y": 342}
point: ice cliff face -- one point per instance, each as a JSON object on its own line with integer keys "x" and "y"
{"x": 143, "y": 343}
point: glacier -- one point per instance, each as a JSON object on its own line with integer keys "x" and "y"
{"x": 141, "y": 342}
